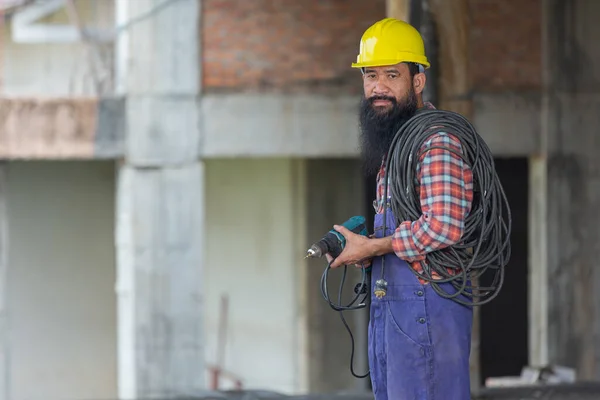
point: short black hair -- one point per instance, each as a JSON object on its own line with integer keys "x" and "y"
{"x": 413, "y": 69}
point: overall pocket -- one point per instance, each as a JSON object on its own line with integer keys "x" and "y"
{"x": 409, "y": 350}
{"x": 408, "y": 317}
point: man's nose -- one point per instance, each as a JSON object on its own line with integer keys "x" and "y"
{"x": 380, "y": 88}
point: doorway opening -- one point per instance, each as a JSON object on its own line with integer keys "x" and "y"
{"x": 504, "y": 321}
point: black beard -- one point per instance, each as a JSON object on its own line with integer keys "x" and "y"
{"x": 378, "y": 127}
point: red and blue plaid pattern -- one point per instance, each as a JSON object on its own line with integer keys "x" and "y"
{"x": 445, "y": 184}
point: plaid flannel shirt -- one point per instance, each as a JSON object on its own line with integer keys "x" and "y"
{"x": 445, "y": 184}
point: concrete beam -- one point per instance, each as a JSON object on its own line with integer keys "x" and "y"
{"x": 509, "y": 122}
{"x": 270, "y": 125}
{"x": 61, "y": 128}
{"x": 265, "y": 125}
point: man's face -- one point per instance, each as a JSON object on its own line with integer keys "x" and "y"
{"x": 385, "y": 84}
{"x": 390, "y": 99}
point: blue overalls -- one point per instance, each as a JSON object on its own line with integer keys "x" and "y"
{"x": 419, "y": 342}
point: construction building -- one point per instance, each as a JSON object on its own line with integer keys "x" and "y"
{"x": 166, "y": 164}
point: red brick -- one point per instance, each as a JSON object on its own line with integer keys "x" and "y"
{"x": 284, "y": 45}
{"x": 506, "y": 44}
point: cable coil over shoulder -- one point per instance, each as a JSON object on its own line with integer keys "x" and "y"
{"x": 485, "y": 244}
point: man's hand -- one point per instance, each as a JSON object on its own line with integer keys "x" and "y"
{"x": 363, "y": 264}
{"x": 360, "y": 250}
{"x": 357, "y": 251}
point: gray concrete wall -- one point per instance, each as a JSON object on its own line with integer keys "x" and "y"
{"x": 262, "y": 215}
{"x": 255, "y": 224}
{"x": 61, "y": 299}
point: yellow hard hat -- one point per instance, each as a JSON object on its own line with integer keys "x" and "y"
{"x": 389, "y": 42}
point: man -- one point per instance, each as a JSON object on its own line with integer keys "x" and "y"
{"x": 419, "y": 342}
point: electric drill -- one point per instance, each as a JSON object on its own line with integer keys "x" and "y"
{"x": 334, "y": 242}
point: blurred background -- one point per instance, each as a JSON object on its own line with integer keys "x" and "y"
{"x": 165, "y": 164}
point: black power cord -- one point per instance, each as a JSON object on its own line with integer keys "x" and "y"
{"x": 358, "y": 302}
{"x": 485, "y": 245}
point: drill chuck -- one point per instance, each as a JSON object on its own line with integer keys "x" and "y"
{"x": 315, "y": 251}
{"x": 333, "y": 242}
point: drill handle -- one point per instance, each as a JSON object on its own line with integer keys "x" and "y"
{"x": 356, "y": 225}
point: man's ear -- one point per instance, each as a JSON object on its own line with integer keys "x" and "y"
{"x": 419, "y": 82}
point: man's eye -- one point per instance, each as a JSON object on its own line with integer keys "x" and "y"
{"x": 371, "y": 76}
{"x": 392, "y": 76}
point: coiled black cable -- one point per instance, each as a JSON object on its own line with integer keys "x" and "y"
{"x": 485, "y": 244}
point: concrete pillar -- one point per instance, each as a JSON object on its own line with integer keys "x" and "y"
{"x": 4, "y": 345}
{"x": 570, "y": 123}
{"x": 160, "y": 209}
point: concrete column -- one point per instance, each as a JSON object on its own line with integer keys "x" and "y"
{"x": 570, "y": 123}
{"x": 160, "y": 201}
{"x": 4, "y": 344}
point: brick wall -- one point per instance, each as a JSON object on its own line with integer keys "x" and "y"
{"x": 506, "y": 44}
{"x": 308, "y": 45}
{"x": 284, "y": 45}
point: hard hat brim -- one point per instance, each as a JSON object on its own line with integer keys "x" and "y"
{"x": 384, "y": 63}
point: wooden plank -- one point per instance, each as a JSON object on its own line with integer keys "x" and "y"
{"x": 452, "y": 21}
{"x": 399, "y": 9}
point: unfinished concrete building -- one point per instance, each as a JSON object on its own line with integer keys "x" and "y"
{"x": 161, "y": 158}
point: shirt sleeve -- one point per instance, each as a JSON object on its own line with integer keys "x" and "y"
{"x": 445, "y": 202}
